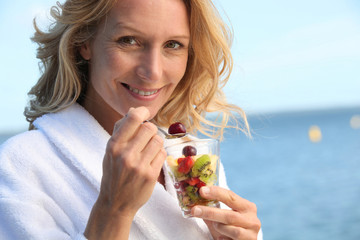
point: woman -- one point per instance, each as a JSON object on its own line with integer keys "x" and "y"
{"x": 91, "y": 168}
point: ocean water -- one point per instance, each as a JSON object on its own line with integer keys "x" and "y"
{"x": 304, "y": 190}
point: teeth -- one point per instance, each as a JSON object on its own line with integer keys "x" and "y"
{"x": 142, "y": 93}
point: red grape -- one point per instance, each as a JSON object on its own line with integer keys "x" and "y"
{"x": 189, "y": 151}
{"x": 177, "y": 128}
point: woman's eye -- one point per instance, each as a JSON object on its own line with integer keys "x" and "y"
{"x": 173, "y": 45}
{"x": 127, "y": 40}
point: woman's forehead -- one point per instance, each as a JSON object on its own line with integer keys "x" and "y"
{"x": 165, "y": 16}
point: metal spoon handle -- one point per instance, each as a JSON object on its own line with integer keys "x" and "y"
{"x": 163, "y": 132}
{"x": 167, "y": 135}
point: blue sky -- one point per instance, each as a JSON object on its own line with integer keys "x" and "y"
{"x": 289, "y": 55}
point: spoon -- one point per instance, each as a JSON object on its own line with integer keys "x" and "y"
{"x": 167, "y": 135}
{"x": 171, "y": 136}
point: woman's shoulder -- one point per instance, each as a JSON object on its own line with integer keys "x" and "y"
{"x": 22, "y": 158}
{"x": 22, "y": 141}
{"x": 22, "y": 148}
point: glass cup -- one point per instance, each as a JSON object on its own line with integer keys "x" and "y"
{"x": 192, "y": 165}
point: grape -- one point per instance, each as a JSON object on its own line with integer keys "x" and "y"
{"x": 177, "y": 128}
{"x": 189, "y": 151}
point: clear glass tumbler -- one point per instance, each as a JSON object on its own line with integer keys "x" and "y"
{"x": 192, "y": 165}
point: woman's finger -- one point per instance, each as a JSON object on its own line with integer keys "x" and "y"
{"x": 223, "y": 238}
{"x": 143, "y": 137}
{"x": 158, "y": 161}
{"x": 225, "y": 216}
{"x": 152, "y": 147}
{"x": 228, "y": 197}
{"x": 126, "y": 127}
{"x": 233, "y": 232}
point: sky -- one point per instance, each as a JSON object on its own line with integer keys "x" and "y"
{"x": 288, "y": 55}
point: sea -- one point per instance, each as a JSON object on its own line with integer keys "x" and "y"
{"x": 301, "y": 169}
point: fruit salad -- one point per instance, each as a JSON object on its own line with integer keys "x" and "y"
{"x": 193, "y": 165}
{"x": 192, "y": 173}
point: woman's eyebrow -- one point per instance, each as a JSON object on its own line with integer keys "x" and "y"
{"x": 121, "y": 26}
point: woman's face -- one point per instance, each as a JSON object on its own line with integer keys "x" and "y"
{"x": 138, "y": 56}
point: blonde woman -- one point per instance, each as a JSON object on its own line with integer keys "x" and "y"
{"x": 90, "y": 168}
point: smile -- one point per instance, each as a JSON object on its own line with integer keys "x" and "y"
{"x": 139, "y": 91}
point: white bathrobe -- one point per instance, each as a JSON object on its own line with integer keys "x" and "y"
{"x": 50, "y": 179}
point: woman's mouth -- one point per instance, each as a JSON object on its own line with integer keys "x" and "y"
{"x": 139, "y": 91}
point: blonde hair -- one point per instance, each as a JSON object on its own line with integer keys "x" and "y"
{"x": 64, "y": 72}
{"x": 210, "y": 62}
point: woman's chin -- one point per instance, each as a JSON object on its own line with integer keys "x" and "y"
{"x": 153, "y": 112}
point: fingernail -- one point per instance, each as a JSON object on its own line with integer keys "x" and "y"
{"x": 197, "y": 211}
{"x": 205, "y": 190}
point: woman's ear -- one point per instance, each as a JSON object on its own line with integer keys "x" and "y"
{"x": 85, "y": 51}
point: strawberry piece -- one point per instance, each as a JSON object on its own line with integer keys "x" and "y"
{"x": 180, "y": 160}
{"x": 193, "y": 181}
{"x": 185, "y": 164}
{"x": 200, "y": 184}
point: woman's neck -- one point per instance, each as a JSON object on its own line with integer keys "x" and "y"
{"x": 100, "y": 110}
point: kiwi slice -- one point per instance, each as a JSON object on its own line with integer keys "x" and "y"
{"x": 207, "y": 176}
{"x": 201, "y": 165}
{"x": 179, "y": 176}
{"x": 193, "y": 194}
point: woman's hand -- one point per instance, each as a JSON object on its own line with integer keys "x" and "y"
{"x": 239, "y": 223}
{"x": 132, "y": 163}
{"x": 131, "y": 166}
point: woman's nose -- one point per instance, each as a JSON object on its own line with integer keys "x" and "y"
{"x": 150, "y": 66}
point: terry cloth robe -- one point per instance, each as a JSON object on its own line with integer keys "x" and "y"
{"x": 50, "y": 178}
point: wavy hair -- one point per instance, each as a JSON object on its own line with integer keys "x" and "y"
{"x": 64, "y": 76}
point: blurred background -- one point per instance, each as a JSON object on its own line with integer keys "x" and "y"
{"x": 297, "y": 77}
